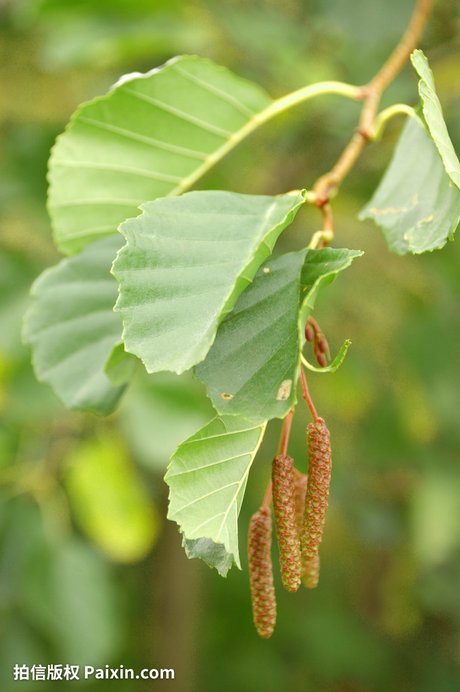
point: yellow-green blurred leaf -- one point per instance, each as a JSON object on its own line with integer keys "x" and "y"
{"x": 436, "y": 517}
{"x": 109, "y": 501}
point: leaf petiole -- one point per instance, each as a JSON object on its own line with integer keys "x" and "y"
{"x": 386, "y": 114}
{"x": 278, "y": 106}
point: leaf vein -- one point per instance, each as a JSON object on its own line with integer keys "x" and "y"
{"x": 129, "y": 134}
{"x": 203, "y": 497}
{"x": 206, "y": 466}
{"x": 118, "y": 168}
{"x": 212, "y": 437}
{"x": 236, "y": 103}
{"x": 203, "y": 523}
{"x": 182, "y": 115}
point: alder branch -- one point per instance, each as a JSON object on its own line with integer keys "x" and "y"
{"x": 307, "y": 396}
{"x": 286, "y": 432}
{"x": 328, "y": 183}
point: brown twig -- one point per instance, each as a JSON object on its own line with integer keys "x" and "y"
{"x": 284, "y": 438}
{"x": 267, "y": 496}
{"x": 307, "y": 396}
{"x": 328, "y": 183}
{"x": 286, "y": 432}
{"x": 283, "y": 446}
{"x": 328, "y": 220}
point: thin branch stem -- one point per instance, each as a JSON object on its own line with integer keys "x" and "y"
{"x": 328, "y": 183}
{"x": 328, "y": 219}
{"x": 307, "y": 396}
{"x": 406, "y": 45}
{"x": 286, "y": 432}
{"x": 283, "y": 446}
{"x": 267, "y": 496}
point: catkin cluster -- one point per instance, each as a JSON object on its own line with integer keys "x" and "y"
{"x": 300, "y": 504}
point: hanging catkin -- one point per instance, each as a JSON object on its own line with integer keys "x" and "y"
{"x": 301, "y": 483}
{"x": 261, "y": 572}
{"x": 284, "y": 504}
{"x": 319, "y": 475}
{"x": 310, "y": 569}
{"x": 310, "y": 572}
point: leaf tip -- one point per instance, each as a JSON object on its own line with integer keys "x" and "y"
{"x": 213, "y": 554}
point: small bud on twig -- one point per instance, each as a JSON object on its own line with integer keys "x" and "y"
{"x": 323, "y": 346}
{"x": 321, "y": 358}
{"x": 314, "y": 335}
{"x": 309, "y": 332}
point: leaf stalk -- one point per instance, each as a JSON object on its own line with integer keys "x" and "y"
{"x": 278, "y": 106}
{"x": 385, "y": 115}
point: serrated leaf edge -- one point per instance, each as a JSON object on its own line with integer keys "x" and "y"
{"x": 241, "y": 484}
{"x": 226, "y": 309}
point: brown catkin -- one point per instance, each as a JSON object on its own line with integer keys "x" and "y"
{"x": 319, "y": 476}
{"x": 310, "y": 569}
{"x": 301, "y": 483}
{"x": 284, "y": 504}
{"x": 310, "y": 573}
{"x": 261, "y": 572}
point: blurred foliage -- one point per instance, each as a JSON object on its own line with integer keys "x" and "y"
{"x": 108, "y": 500}
{"x": 82, "y": 500}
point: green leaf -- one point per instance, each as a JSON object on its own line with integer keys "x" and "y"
{"x": 16, "y": 275}
{"x": 416, "y": 205}
{"x": 320, "y": 269}
{"x": 213, "y": 554}
{"x": 185, "y": 262}
{"x": 73, "y": 329}
{"x": 435, "y": 517}
{"x": 164, "y": 408}
{"x": 253, "y": 366}
{"x": 207, "y": 479}
{"x": 433, "y": 114}
{"x": 152, "y": 135}
{"x": 109, "y": 500}
{"x": 121, "y": 366}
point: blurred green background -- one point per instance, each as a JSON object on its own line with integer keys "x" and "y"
{"x": 90, "y": 571}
